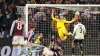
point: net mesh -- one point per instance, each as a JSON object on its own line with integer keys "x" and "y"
{"x": 90, "y": 15}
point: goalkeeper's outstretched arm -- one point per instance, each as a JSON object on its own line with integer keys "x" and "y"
{"x": 75, "y": 18}
{"x": 53, "y": 16}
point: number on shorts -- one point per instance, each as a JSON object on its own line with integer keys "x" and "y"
{"x": 19, "y": 26}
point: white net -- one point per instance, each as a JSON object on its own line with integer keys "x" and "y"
{"x": 90, "y": 15}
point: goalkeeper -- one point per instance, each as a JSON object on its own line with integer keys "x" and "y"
{"x": 62, "y": 31}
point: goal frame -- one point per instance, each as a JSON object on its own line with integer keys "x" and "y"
{"x": 51, "y": 5}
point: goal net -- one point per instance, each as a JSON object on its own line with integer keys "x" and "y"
{"x": 39, "y": 16}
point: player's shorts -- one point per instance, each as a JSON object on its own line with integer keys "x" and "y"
{"x": 18, "y": 40}
{"x": 80, "y": 41}
{"x": 61, "y": 32}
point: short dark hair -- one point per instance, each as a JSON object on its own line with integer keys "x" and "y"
{"x": 19, "y": 15}
{"x": 79, "y": 20}
{"x": 32, "y": 27}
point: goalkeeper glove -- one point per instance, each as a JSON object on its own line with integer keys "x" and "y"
{"x": 77, "y": 13}
{"x": 53, "y": 10}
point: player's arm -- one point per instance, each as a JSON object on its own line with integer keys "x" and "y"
{"x": 69, "y": 21}
{"x": 74, "y": 19}
{"x": 84, "y": 32}
{"x": 24, "y": 30}
{"x": 53, "y": 16}
{"x": 12, "y": 28}
{"x": 30, "y": 35}
{"x": 74, "y": 31}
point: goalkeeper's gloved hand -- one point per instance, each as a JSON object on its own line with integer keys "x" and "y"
{"x": 77, "y": 13}
{"x": 53, "y": 10}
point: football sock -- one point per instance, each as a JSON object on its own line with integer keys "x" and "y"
{"x": 14, "y": 51}
{"x": 19, "y": 50}
{"x": 81, "y": 48}
{"x": 73, "y": 50}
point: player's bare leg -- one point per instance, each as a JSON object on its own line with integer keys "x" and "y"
{"x": 73, "y": 46}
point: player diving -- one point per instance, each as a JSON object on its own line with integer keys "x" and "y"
{"x": 62, "y": 31}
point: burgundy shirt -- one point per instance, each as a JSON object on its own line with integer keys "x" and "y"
{"x": 18, "y": 28}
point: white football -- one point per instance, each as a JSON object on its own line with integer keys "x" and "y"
{"x": 77, "y": 13}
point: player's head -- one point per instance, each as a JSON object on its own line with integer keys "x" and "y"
{"x": 44, "y": 18}
{"x": 19, "y": 16}
{"x": 62, "y": 47}
{"x": 33, "y": 28}
{"x": 61, "y": 16}
{"x": 56, "y": 16}
{"x": 33, "y": 19}
{"x": 41, "y": 35}
{"x": 79, "y": 20}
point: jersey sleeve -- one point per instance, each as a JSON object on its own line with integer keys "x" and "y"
{"x": 54, "y": 17}
{"x": 84, "y": 30}
{"x": 24, "y": 30}
{"x": 30, "y": 35}
{"x": 12, "y": 28}
{"x": 68, "y": 21}
{"x": 74, "y": 19}
{"x": 74, "y": 32}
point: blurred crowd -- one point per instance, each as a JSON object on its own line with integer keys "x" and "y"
{"x": 8, "y": 13}
{"x": 23, "y": 2}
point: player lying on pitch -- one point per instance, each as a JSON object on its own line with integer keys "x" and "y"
{"x": 62, "y": 31}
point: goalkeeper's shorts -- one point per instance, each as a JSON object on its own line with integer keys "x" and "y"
{"x": 62, "y": 31}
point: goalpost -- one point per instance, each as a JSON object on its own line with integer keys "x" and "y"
{"x": 88, "y": 13}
